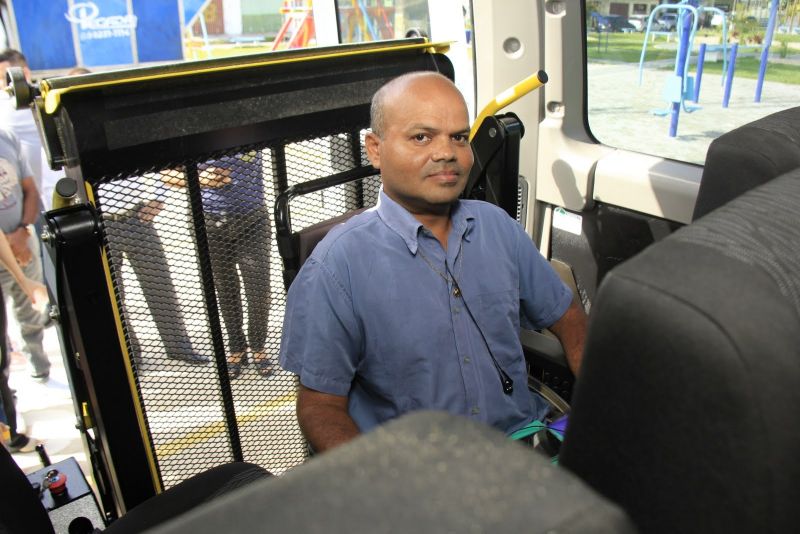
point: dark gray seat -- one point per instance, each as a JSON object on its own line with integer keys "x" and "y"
{"x": 686, "y": 412}
{"x": 747, "y": 157}
{"x": 425, "y": 472}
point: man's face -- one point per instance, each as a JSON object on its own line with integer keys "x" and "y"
{"x": 424, "y": 154}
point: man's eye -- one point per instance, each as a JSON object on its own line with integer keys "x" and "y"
{"x": 460, "y": 138}
{"x": 420, "y": 137}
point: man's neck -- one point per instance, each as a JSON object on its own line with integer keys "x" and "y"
{"x": 439, "y": 225}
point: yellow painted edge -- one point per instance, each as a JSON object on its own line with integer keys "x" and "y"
{"x": 127, "y": 357}
{"x": 52, "y": 97}
{"x": 210, "y": 430}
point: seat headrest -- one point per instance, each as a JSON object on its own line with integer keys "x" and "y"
{"x": 747, "y": 157}
{"x": 686, "y": 409}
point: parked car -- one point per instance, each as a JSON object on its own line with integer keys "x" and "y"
{"x": 611, "y": 23}
{"x": 667, "y": 22}
{"x": 639, "y": 22}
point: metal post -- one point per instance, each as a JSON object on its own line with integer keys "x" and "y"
{"x": 701, "y": 59}
{"x": 729, "y": 75}
{"x": 683, "y": 55}
{"x": 762, "y": 70}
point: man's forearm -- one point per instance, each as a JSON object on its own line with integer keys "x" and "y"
{"x": 325, "y": 425}
{"x": 30, "y": 206}
{"x": 571, "y": 331}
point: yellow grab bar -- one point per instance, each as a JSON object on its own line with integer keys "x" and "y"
{"x": 532, "y": 82}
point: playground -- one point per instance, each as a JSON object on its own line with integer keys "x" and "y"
{"x": 693, "y": 84}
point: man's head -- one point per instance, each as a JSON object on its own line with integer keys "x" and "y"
{"x": 12, "y": 58}
{"x": 420, "y": 141}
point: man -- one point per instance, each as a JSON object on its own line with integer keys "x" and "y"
{"x": 19, "y": 207}
{"x": 22, "y": 124}
{"x": 416, "y": 303}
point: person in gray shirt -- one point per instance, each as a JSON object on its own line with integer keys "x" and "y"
{"x": 19, "y": 207}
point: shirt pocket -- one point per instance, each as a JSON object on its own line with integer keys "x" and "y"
{"x": 497, "y": 315}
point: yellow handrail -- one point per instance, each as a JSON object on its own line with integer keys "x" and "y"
{"x": 532, "y": 82}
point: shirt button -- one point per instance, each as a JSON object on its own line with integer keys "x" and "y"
{"x": 467, "y": 359}
{"x": 456, "y": 309}
{"x": 475, "y": 410}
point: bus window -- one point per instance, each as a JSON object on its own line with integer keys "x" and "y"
{"x": 376, "y": 20}
{"x": 741, "y": 65}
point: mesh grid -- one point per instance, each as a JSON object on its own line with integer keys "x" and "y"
{"x": 156, "y": 256}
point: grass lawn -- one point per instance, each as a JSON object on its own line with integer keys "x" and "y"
{"x": 747, "y": 67}
{"x": 627, "y": 48}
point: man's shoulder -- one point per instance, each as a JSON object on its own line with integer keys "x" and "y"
{"x": 355, "y": 233}
{"x": 486, "y": 212}
{"x": 8, "y": 138}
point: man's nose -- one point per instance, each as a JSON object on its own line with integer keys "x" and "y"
{"x": 443, "y": 150}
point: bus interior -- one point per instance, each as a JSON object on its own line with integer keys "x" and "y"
{"x": 683, "y": 250}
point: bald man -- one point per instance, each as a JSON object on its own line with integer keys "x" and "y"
{"x": 416, "y": 303}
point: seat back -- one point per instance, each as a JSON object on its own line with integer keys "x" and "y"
{"x": 686, "y": 409}
{"x": 424, "y": 472}
{"x": 747, "y": 157}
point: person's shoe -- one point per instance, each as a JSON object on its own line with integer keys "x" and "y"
{"x": 22, "y": 443}
{"x": 236, "y": 361}
{"x": 41, "y": 377}
{"x": 263, "y": 364}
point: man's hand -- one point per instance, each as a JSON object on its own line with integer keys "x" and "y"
{"x": 324, "y": 419}
{"x": 212, "y": 177}
{"x": 18, "y": 241}
{"x": 215, "y": 177}
{"x": 149, "y": 211}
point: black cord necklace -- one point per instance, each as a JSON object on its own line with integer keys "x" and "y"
{"x": 450, "y": 279}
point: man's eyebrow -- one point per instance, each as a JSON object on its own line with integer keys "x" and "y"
{"x": 427, "y": 128}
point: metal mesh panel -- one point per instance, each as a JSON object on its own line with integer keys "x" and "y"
{"x": 162, "y": 247}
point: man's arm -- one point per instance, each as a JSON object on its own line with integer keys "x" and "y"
{"x": 18, "y": 239}
{"x": 30, "y": 200}
{"x": 571, "y": 331}
{"x": 324, "y": 419}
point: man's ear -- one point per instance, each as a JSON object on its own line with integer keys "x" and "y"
{"x": 373, "y": 145}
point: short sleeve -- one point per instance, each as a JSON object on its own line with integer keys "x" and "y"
{"x": 321, "y": 336}
{"x": 544, "y": 297}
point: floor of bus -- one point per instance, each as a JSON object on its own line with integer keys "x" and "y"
{"x": 44, "y": 410}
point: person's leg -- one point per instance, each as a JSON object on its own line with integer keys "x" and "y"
{"x": 17, "y": 442}
{"x": 31, "y": 321}
{"x": 223, "y": 237}
{"x": 254, "y": 265}
{"x": 149, "y": 263}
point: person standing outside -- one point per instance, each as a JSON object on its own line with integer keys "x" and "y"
{"x": 238, "y": 231}
{"x": 19, "y": 208}
{"x": 417, "y": 303}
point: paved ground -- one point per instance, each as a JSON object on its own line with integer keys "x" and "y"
{"x": 621, "y": 111}
{"x": 45, "y": 411}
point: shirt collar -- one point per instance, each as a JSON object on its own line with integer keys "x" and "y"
{"x": 407, "y": 227}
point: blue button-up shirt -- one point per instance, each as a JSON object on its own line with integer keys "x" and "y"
{"x": 373, "y": 315}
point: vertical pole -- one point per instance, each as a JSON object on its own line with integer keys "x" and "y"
{"x": 729, "y": 75}
{"x": 209, "y": 295}
{"x": 684, "y": 20}
{"x": 701, "y": 59}
{"x": 762, "y": 70}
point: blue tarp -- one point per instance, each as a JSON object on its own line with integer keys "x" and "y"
{"x": 96, "y": 33}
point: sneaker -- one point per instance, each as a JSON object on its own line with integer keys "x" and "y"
{"x": 22, "y": 443}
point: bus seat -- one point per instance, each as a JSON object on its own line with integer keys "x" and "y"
{"x": 424, "y": 472}
{"x": 686, "y": 410}
{"x": 295, "y": 246}
{"x": 747, "y": 157}
{"x": 21, "y": 510}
